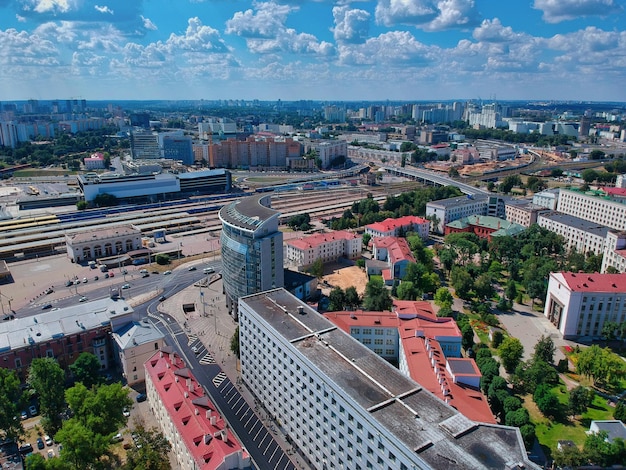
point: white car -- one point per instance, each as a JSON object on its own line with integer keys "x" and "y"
{"x": 48, "y": 440}
{"x": 83, "y": 299}
{"x": 126, "y": 286}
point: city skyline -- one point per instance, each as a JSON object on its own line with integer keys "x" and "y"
{"x": 352, "y": 50}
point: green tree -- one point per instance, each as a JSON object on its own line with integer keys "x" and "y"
{"x": 511, "y": 290}
{"x": 86, "y": 369}
{"x": 234, "y": 343}
{"x": 447, "y": 257}
{"x": 546, "y": 400}
{"x": 46, "y": 377}
{"x": 100, "y": 409}
{"x": 497, "y": 339}
{"x": 376, "y": 297}
{"x": 600, "y": 364}
{"x": 10, "y": 402}
{"x": 82, "y": 447}
{"x": 462, "y": 282}
{"x": 569, "y": 457}
{"x": 407, "y": 291}
{"x": 366, "y": 239}
{"x": 35, "y": 462}
{"x": 360, "y": 263}
{"x": 580, "y": 399}
{"x": 544, "y": 350}
{"x": 517, "y": 418}
{"x": 589, "y": 175}
{"x": 511, "y": 352}
{"x": 153, "y": 453}
{"x": 162, "y": 259}
{"x": 317, "y": 268}
{"x": 105, "y": 200}
{"x": 337, "y": 299}
{"x": 512, "y": 403}
{"x": 81, "y": 205}
{"x": 528, "y": 435}
{"x": 352, "y": 298}
{"x": 483, "y": 286}
{"x": 620, "y": 410}
{"x": 443, "y": 297}
{"x": 467, "y": 336}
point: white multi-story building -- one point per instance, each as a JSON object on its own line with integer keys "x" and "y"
{"x": 189, "y": 420}
{"x": 579, "y": 234}
{"x": 389, "y": 157}
{"x": 614, "y": 251}
{"x": 548, "y": 199}
{"x": 328, "y": 150}
{"x": 392, "y": 227}
{"x": 325, "y": 246}
{"x": 345, "y": 407}
{"x": 454, "y": 208}
{"x": 136, "y": 342}
{"x": 579, "y": 304}
{"x": 594, "y": 206}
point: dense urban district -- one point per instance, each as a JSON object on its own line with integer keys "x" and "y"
{"x": 309, "y": 285}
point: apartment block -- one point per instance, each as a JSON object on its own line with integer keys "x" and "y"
{"x": 325, "y": 246}
{"x": 614, "y": 251}
{"x": 580, "y": 234}
{"x": 602, "y": 207}
{"x": 579, "y": 304}
{"x": 345, "y": 407}
{"x": 548, "y": 198}
{"x": 199, "y": 436}
{"x": 448, "y": 210}
{"x": 522, "y": 212}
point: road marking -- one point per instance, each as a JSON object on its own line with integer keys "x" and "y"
{"x": 218, "y": 379}
{"x": 274, "y": 453}
{"x": 191, "y": 338}
{"x": 259, "y": 445}
{"x": 258, "y": 432}
{"x": 207, "y": 359}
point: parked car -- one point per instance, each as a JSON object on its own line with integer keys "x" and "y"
{"x": 8, "y": 317}
{"x": 50, "y": 453}
{"x": 126, "y": 286}
{"x": 26, "y": 448}
{"x": 111, "y": 274}
{"x": 85, "y": 280}
{"x": 126, "y": 412}
{"x": 32, "y": 409}
{"x": 165, "y": 273}
{"x": 162, "y": 298}
{"x": 106, "y": 275}
{"x": 145, "y": 275}
{"x": 46, "y": 306}
{"x": 117, "y": 438}
{"x": 193, "y": 268}
{"x": 95, "y": 278}
{"x": 48, "y": 440}
{"x": 40, "y": 444}
{"x": 83, "y": 299}
{"x": 141, "y": 397}
{"x": 69, "y": 283}
{"x": 24, "y": 415}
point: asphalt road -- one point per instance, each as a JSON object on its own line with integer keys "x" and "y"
{"x": 244, "y": 422}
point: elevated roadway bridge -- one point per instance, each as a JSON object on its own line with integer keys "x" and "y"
{"x": 433, "y": 178}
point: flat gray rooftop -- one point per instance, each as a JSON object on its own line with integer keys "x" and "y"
{"x": 438, "y": 433}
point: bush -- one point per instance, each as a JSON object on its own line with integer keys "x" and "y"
{"x": 162, "y": 259}
{"x": 498, "y": 337}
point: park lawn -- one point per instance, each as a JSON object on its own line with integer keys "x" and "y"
{"x": 550, "y": 432}
{"x": 480, "y": 328}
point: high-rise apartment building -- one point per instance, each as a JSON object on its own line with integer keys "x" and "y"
{"x": 606, "y": 207}
{"x": 252, "y": 248}
{"x": 144, "y": 145}
{"x": 345, "y": 407}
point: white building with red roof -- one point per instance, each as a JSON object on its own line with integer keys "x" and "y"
{"x": 579, "y": 304}
{"x": 392, "y": 227}
{"x": 395, "y": 252}
{"x": 425, "y": 347}
{"x": 199, "y": 436}
{"x": 329, "y": 246}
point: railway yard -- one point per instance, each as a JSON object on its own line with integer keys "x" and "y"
{"x": 44, "y": 233}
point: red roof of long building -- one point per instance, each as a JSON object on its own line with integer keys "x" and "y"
{"x": 312, "y": 241}
{"x": 388, "y": 225}
{"x": 398, "y": 248}
{"x": 619, "y": 192}
{"x": 595, "y": 282}
{"x": 418, "y": 325}
{"x": 196, "y": 418}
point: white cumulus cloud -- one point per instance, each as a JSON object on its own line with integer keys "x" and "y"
{"x": 430, "y": 15}
{"x": 148, "y": 24}
{"x": 351, "y": 25}
{"x": 265, "y": 21}
{"x": 103, "y": 9}
{"x": 555, "y": 11}
{"x": 394, "y": 47}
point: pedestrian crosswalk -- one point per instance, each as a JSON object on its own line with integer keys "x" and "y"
{"x": 191, "y": 338}
{"x": 207, "y": 359}
{"x": 218, "y": 379}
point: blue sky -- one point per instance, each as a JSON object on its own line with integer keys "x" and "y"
{"x": 313, "y": 49}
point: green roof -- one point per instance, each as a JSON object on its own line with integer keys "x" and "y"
{"x": 501, "y": 227}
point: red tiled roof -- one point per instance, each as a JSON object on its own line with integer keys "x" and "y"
{"x": 318, "y": 239}
{"x": 388, "y": 225}
{"x": 196, "y": 418}
{"x": 595, "y": 282}
{"x": 620, "y": 192}
{"x": 398, "y": 248}
{"x": 436, "y": 378}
